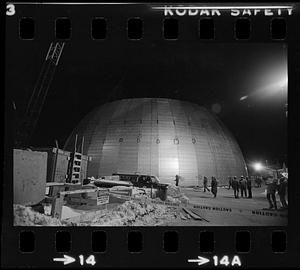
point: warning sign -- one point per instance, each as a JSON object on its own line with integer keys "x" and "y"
{"x": 103, "y": 199}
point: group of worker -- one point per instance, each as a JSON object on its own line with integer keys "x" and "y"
{"x": 243, "y": 184}
{"x": 280, "y": 185}
{"x": 258, "y": 181}
{"x": 243, "y": 188}
{"x": 213, "y": 184}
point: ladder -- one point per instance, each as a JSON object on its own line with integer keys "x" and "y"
{"x": 39, "y": 94}
{"x": 74, "y": 171}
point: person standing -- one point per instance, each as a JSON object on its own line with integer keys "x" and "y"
{"x": 249, "y": 187}
{"x": 282, "y": 188}
{"x": 256, "y": 181}
{"x": 214, "y": 186}
{"x": 235, "y": 187}
{"x": 205, "y": 181}
{"x": 243, "y": 185}
{"x": 271, "y": 190}
{"x": 229, "y": 182}
{"x": 176, "y": 180}
{"x": 260, "y": 181}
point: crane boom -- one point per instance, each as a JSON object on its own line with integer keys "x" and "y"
{"x": 38, "y": 96}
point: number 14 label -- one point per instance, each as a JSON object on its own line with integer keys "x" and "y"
{"x": 90, "y": 260}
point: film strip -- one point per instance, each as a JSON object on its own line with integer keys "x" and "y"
{"x": 117, "y": 144}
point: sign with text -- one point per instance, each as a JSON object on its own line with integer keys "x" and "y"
{"x": 103, "y": 199}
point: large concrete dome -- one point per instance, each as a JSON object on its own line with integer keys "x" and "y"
{"x": 161, "y": 137}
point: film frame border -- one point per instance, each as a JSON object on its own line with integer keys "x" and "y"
{"x": 223, "y": 235}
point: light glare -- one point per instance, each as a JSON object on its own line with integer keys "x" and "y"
{"x": 258, "y": 166}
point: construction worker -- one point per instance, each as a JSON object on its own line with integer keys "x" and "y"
{"x": 235, "y": 187}
{"x": 176, "y": 180}
{"x": 243, "y": 185}
{"x": 205, "y": 180}
{"x": 229, "y": 182}
{"x": 260, "y": 181}
{"x": 282, "y": 188}
{"x": 249, "y": 187}
{"x": 214, "y": 186}
{"x": 271, "y": 190}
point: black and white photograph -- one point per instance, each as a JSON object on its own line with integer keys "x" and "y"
{"x": 123, "y": 128}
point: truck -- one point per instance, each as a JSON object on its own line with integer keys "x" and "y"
{"x": 145, "y": 181}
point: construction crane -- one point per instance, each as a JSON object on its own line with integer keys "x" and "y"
{"x": 29, "y": 121}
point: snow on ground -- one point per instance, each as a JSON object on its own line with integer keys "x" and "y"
{"x": 175, "y": 194}
{"x": 68, "y": 212}
{"x": 25, "y": 216}
{"x": 130, "y": 213}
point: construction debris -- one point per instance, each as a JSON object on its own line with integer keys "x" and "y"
{"x": 193, "y": 215}
{"x": 202, "y": 218}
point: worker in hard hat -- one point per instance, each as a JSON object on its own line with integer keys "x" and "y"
{"x": 271, "y": 191}
{"x": 249, "y": 187}
{"x": 229, "y": 182}
{"x": 243, "y": 185}
{"x": 282, "y": 190}
{"x": 176, "y": 180}
{"x": 235, "y": 186}
{"x": 205, "y": 181}
{"x": 214, "y": 186}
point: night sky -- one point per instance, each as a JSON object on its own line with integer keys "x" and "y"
{"x": 214, "y": 75}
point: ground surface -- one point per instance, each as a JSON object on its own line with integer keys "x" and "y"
{"x": 241, "y": 213}
{"x": 224, "y": 210}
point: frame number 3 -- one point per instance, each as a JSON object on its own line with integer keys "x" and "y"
{"x": 10, "y": 10}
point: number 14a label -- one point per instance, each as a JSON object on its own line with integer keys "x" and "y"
{"x": 225, "y": 261}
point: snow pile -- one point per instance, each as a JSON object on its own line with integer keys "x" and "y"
{"x": 173, "y": 191}
{"x": 184, "y": 199}
{"x": 25, "y": 216}
{"x": 175, "y": 195}
{"x": 130, "y": 213}
{"x": 172, "y": 200}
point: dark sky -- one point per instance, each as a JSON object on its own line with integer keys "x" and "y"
{"x": 214, "y": 75}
